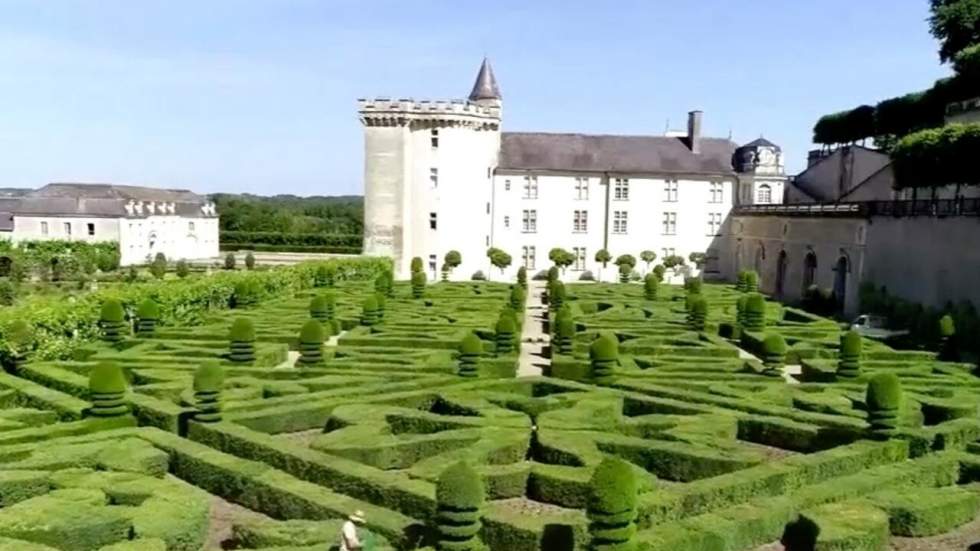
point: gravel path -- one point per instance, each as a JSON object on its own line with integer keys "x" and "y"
{"x": 533, "y": 339}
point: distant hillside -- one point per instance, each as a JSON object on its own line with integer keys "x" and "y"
{"x": 14, "y": 191}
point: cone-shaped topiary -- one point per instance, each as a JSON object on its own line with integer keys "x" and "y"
{"x": 322, "y": 307}
{"x": 697, "y": 314}
{"x": 209, "y": 379}
{"x": 556, "y": 294}
{"x": 247, "y": 293}
{"x": 604, "y": 355}
{"x": 751, "y": 281}
{"x": 470, "y": 350}
{"x": 625, "y": 270}
{"x": 883, "y": 399}
{"x": 754, "y": 315}
{"x": 611, "y": 508}
{"x": 107, "y": 388}
{"x": 112, "y": 320}
{"x": 369, "y": 311}
{"x": 148, "y": 314}
{"x": 459, "y": 503}
{"x": 418, "y": 284}
{"x": 566, "y": 334}
{"x": 650, "y": 287}
{"x": 849, "y": 355}
{"x": 517, "y": 297}
{"x": 692, "y": 285}
{"x": 774, "y": 354}
{"x": 311, "y": 343}
{"x": 565, "y": 312}
{"x": 242, "y": 337}
{"x": 19, "y": 337}
{"x": 522, "y": 277}
{"x": 416, "y": 264}
{"x": 740, "y": 282}
{"x": 505, "y": 334}
{"x": 381, "y": 284}
{"x": 947, "y": 342}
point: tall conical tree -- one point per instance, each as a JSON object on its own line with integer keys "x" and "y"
{"x": 112, "y": 320}
{"x": 470, "y": 350}
{"x": 107, "y": 390}
{"x": 774, "y": 354}
{"x": 849, "y": 355}
{"x": 611, "y": 508}
{"x": 209, "y": 379}
{"x": 311, "y": 344}
{"x": 650, "y": 287}
{"x": 883, "y": 400}
{"x": 148, "y": 314}
{"x": 522, "y": 277}
{"x": 242, "y": 337}
{"x": 459, "y": 503}
{"x": 505, "y": 334}
{"x": 604, "y": 355}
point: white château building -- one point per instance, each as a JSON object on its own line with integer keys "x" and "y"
{"x": 441, "y": 176}
{"x": 144, "y": 221}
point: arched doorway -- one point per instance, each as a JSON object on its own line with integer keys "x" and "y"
{"x": 760, "y": 259}
{"x": 809, "y": 270}
{"x": 780, "y": 273}
{"x": 840, "y": 280}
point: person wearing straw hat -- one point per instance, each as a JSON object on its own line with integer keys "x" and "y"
{"x": 348, "y": 532}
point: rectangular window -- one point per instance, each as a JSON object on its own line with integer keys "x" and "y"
{"x": 91, "y": 228}
{"x": 670, "y": 191}
{"x": 670, "y": 223}
{"x": 714, "y": 223}
{"x": 665, "y": 252}
{"x": 717, "y": 192}
{"x": 432, "y": 220}
{"x": 44, "y": 228}
{"x": 506, "y": 221}
{"x": 530, "y": 187}
{"x": 619, "y": 221}
{"x": 434, "y": 138}
{"x": 580, "y": 221}
{"x": 621, "y": 189}
{"x": 68, "y": 228}
{"x": 488, "y": 207}
{"x": 432, "y": 263}
{"x": 528, "y": 256}
{"x": 190, "y": 226}
{"x": 579, "y": 254}
{"x": 529, "y": 221}
{"x": 582, "y": 188}
{"x": 765, "y": 194}
{"x": 506, "y": 185}
{"x": 434, "y": 177}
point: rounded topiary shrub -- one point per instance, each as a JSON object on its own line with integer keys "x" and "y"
{"x": 20, "y": 337}
{"x": 147, "y": 315}
{"x": 566, "y": 335}
{"x": 249, "y": 261}
{"x": 692, "y": 285}
{"x": 459, "y": 503}
{"x": 522, "y": 277}
{"x": 658, "y": 271}
{"x": 883, "y": 400}
{"x": 740, "y": 308}
{"x": 754, "y": 315}
{"x": 209, "y": 379}
{"x": 611, "y": 508}
{"x": 369, "y": 311}
{"x": 470, "y": 350}
{"x": 112, "y": 321}
{"x": 603, "y": 356}
{"x": 947, "y": 339}
{"x": 230, "y": 261}
{"x": 322, "y": 307}
{"x": 650, "y": 287}
{"x": 382, "y": 304}
{"x": 381, "y": 284}
{"x": 849, "y": 355}
{"x": 242, "y": 337}
{"x": 517, "y": 297}
{"x": 416, "y": 265}
{"x": 556, "y": 294}
{"x": 751, "y": 281}
{"x": 553, "y": 273}
{"x": 247, "y": 293}
{"x": 774, "y": 354}
{"x": 418, "y": 284}
{"x": 697, "y": 314}
{"x": 505, "y": 330}
{"x": 311, "y": 338}
{"x": 107, "y": 388}
{"x": 625, "y": 270}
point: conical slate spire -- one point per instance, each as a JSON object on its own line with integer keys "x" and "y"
{"x": 485, "y": 86}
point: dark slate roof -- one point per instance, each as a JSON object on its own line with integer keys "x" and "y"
{"x": 762, "y": 142}
{"x": 485, "y": 86}
{"x": 605, "y": 153}
{"x": 6, "y": 221}
{"x": 100, "y": 200}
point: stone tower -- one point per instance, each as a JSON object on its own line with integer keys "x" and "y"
{"x": 428, "y": 168}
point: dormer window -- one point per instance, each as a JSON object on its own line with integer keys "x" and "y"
{"x": 139, "y": 207}
{"x": 151, "y": 207}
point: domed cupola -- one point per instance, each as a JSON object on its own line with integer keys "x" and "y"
{"x": 759, "y": 157}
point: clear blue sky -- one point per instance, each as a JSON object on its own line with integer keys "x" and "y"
{"x": 259, "y": 96}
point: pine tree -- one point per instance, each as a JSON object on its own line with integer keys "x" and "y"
{"x": 208, "y": 382}
{"x": 147, "y": 316}
{"x": 470, "y": 350}
{"x": 604, "y": 355}
{"x": 849, "y": 355}
{"x": 883, "y": 400}
{"x": 107, "y": 390}
{"x": 242, "y": 337}
{"x": 459, "y": 503}
{"x": 311, "y": 344}
{"x": 611, "y": 508}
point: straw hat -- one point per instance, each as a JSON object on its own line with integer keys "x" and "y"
{"x": 357, "y": 516}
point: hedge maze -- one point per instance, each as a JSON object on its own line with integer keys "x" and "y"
{"x": 697, "y": 418}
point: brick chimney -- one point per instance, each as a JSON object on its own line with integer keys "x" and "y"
{"x": 694, "y": 131}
